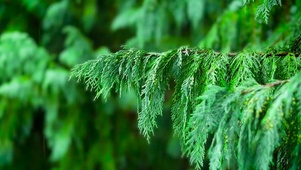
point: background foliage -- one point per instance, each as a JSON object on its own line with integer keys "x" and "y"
{"x": 49, "y": 122}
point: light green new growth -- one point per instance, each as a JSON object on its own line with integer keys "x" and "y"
{"x": 241, "y": 105}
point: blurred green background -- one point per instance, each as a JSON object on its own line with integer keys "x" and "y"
{"x": 50, "y": 122}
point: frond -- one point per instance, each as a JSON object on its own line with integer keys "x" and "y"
{"x": 203, "y": 121}
{"x": 243, "y": 66}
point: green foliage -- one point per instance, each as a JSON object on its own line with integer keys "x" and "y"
{"x": 21, "y": 81}
{"x": 49, "y": 122}
{"x": 218, "y": 99}
{"x": 32, "y": 84}
{"x": 263, "y": 10}
{"x": 75, "y": 45}
{"x": 152, "y": 19}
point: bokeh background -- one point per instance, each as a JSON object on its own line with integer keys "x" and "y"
{"x": 48, "y": 121}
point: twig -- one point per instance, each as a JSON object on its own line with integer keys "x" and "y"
{"x": 188, "y": 51}
{"x": 269, "y": 85}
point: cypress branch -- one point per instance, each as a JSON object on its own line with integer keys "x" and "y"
{"x": 241, "y": 100}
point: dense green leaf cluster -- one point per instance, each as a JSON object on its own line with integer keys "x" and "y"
{"x": 49, "y": 122}
{"x": 245, "y": 105}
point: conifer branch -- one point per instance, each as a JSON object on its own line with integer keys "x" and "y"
{"x": 210, "y": 89}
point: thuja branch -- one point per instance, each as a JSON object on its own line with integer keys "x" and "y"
{"x": 203, "y": 102}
